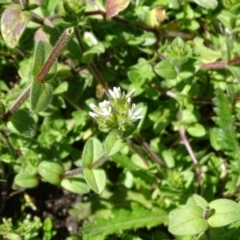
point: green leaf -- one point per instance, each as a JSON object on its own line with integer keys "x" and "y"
{"x": 197, "y": 200}
{"x": 208, "y": 4}
{"x": 225, "y": 212}
{"x": 26, "y": 180}
{"x": 51, "y": 171}
{"x": 41, "y": 53}
{"x": 207, "y": 55}
{"x": 95, "y": 50}
{"x": 75, "y": 184}
{"x": 165, "y": 70}
{"x": 13, "y": 24}
{"x": 113, "y": 144}
{"x": 92, "y": 151}
{"x": 187, "y": 221}
{"x": 113, "y": 7}
{"x": 227, "y": 135}
{"x": 122, "y": 220}
{"x": 61, "y": 88}
{"x": 22, "y": 123}
{"x": 196, "y": 130}
{"x": 40, "y": 95}
{"x": 96, "y": 179}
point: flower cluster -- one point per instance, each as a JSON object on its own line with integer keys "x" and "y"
{"x": 117, "y": 113}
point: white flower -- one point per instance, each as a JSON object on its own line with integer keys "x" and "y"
{"x": 107, "y": 111}
{"x": 115, "y": 93}
{"x": 116, "y": 113}
{"x": 92, "y": 106}
{"x": 93, "y": 115}
{"x": 134, "y": 115}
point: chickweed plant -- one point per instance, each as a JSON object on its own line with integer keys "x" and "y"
{"x": 134, "y": 105}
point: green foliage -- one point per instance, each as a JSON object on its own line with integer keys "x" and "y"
{"x": 26, "y": 229}
{"x": 13, "y": 24}
{"x": 122, "y": 220}
{"x": 134, "y": 107}
{"x": 194, "y": 219}
{"x": 226, "y": 134}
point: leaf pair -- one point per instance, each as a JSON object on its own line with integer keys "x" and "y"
{"x": 94, "y": 154}
{"x": 190, "y": 220}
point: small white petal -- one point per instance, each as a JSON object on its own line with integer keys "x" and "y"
{"x": 106, "y": 112}
{"x": 133, "y": 108}
{"x": 93, "y": 115}
{"x": 104, "y": 104}
{"x": 130, "y": 94}
{"x": 92, "y": 106}
{"x": 117, "y": 92}
{"x": 111, "y": 93}
{"x": 138, "y": 111}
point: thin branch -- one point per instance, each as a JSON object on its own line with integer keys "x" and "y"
{"x": 72, "y": 173}
{"x": 91, "y": 66}
{"x": 192, "y": 155}
{"x": 19, "y": 101}
{"x": 174, "y": 95}
{"x": 150, "y": 152}
{"x": 130, "y": 143}
{"x": 213, "y": 65}
{"x": 187, "y": 145}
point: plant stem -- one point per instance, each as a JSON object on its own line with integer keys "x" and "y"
{"x": 59, "y": 46}
{"x": 72, "y": 173}
{"x": 151, "y": 153}
{"x": 65, "y": 37}
{"x": 192, "y": 155}
{"x": 130, "y": 143}
{"x": 19, "y": 101}
{"x": 95, "y": 164}
{"x": 99, "y": 162}
{"x": 91, "y": 66}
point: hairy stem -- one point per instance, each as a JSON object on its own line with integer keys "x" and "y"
{"x": 19, "y": 101}
{"x": 60, "y": 45}
{"x": 43, "y": 73}
{"x": 151, "y": 153}
{"x": 95, "y": 164}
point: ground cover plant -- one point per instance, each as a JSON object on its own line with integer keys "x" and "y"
{"x": 119, "y": 119}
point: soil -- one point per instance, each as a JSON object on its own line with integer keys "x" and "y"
{"x": 50, "y": 202}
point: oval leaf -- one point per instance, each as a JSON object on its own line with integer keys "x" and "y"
{"x": 224, "y": 211}
{"x": 51, "y": 171}
{"x": 187, "y": 221}
{"x": 96, "y": 179}
{"x": 92, "y": 151}
{"x": 40, "y": 96}
{"x": 41, "y": 53}
{"x": 113, "y": 144}
{"x": 13, "y": 24}
{"x": 165, "y": 70}
{"x": 22, "y": 123}
{"x": 113, "y": 7}
{"x": 75, "y": 184}
{"x": 208, "y": 4}
{"x": 25, "y": 180}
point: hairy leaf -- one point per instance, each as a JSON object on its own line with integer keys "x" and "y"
{"x": 122, "y": 220}
{"x": 41, "y": 95}
{"x": 227, "y": 132}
